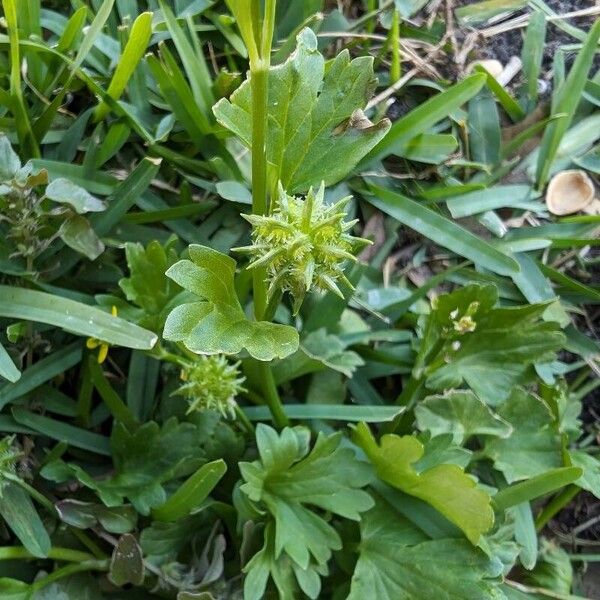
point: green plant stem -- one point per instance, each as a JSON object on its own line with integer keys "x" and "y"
{"x": 267, "y": 30}
{"x": 371, "y": 14}
{"x": 371, "y": 8}
{"x": 119, "y": 410}
{"x": 244, "y": 420}
{"x": 88, "y": 543}
{"x": 60, "y": 554}
{"x": 407, "y": 398}
{"x": 259, "y": 81}
{"x": 89, "y": 565}
{"x": 37, "y": 496}
{"x": 271, "y": 395}
{"x": 585, "y": 557}
{"x": 159, "y": 353}
{"x": 395, "y": 67}
{"x": 272, "y": 306}
{"x": 84, "y": 397}
{"x": 556, "y": 505}
{"x": 253, "y": 397}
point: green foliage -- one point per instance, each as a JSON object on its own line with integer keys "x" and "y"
{"x": 178, "y": 422}
{"x": 445, "y": 486}
{"x": 215, "y": 322}
{"x": 461, "y": 413}
{"x": 147, "y": 285}
{"x": 303, "y": 244}
{"x": 30, "y": 224}
{"x": 143, "y": 462}
{"x": 314, "y": 116}
{"x": 16, "y": 508}
{"x": 287, "y": 482}
{"x": 535, "y": 444}
{"x": 397, "y": 561}
{"x": 456, "y": 343}
{"x": 318, "y": 350}
{"x": 553, "y": 571}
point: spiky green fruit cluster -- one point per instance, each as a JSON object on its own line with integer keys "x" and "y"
{"x": 211, "y": 383}
{"x": 303, "y": 244}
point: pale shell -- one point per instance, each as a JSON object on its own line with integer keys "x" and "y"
{"x": 569, "y": 192}
{"x": 593, "y": 208}
{"x": 492, "y": 66}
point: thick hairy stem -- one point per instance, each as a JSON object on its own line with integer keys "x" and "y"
{"x": 259, "y": 80}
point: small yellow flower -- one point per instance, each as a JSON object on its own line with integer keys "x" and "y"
{"x": 93, "y": 343}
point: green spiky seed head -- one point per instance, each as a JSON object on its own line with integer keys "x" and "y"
{"x": 211, "y": 383}
{"x": 303, "y": 244}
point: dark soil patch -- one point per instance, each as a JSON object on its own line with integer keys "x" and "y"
{"x": 506, "y": 45}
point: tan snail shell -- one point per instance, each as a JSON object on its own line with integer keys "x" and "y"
{"x": 569, "y": 192}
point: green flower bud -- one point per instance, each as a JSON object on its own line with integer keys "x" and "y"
{"x": 211, "y": 383}
{"x": 303, "y": 244}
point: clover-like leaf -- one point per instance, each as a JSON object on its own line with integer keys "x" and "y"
{"x": 216, "y": 322}
{"x": 590, "y": 480}
{"x": 314, "y": 116}
{"x": 126, "y": 564}
{"x": 445, "y": 486}
{"x": 84, "y": 515}
{"x": 64, "y": 191}
{"x": 78, "y": 234}
{"x": 289, "y": 482}
{"x": 318, "y": 350}
{"x": 9, "y": 160}
{"x": 461, "y": 413}
{"x": 534, "y": 446}
{"x": 398, "y": 562}
{"x": 147, "y": 285}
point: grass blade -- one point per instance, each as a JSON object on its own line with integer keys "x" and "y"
{"x": 533, "y": 52}
{"x": 480, "y": 12}
{"x": 139, "y": 37}
{"x": 8, "y": 369}
{"x": 44, "y": 122}
{"x": 25, "y": 134}
{"x": 509, "y": 104}
{"x": 567, "y": 101}
{"x": 484, "y": 129}
{"x": 63, "y": 432}
{"x": 31, "y": 305}
{"x": 426, "y": 116}
{"x": 474, "y": 203}
{"x": 442, "y": 231}
{"x": 192, "y": 492}
{"x": 193, "y": 63}
{"x": 41, "y": 372}
{"x": 543, "y": 484}
{"x": 330, "y": 412}
{"x": 20, "y": 515}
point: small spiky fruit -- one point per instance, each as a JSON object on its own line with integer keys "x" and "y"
{"x": 211, "y": 383}
{"x": 303, "y": 244}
